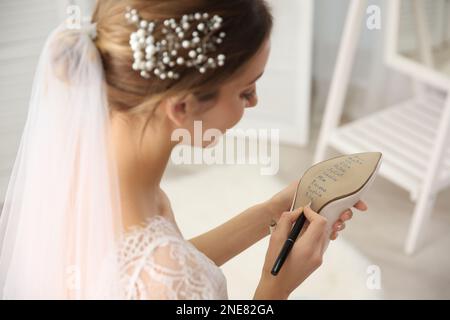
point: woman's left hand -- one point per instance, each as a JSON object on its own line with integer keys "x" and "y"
{"x": 282, "y": 201}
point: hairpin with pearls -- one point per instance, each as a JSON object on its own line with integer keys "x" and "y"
{"x": 192, "y": 35}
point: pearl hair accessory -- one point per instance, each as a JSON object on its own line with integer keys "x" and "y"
{"x": 191, "y": 34}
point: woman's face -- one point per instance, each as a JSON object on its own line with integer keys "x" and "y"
{"x": 234, "y": 96}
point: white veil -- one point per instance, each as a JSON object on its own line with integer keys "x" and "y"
{"x": 61, "y": 216}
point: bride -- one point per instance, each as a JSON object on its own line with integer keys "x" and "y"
{"x": 84, "y": 215}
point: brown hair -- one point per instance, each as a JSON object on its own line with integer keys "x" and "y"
{"x": 247, "y": 23}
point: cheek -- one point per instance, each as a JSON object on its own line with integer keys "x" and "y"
{"x": 232, "y": 112}
{"x": 224, "y": 115}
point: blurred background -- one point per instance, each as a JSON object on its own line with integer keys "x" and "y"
{"x": 343, "y": 76}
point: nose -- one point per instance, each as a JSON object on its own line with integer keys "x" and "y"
{"x": 252, "y": 103}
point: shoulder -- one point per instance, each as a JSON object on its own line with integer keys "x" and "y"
{"x": 142, "y": 239}
{"x": 156, "y": 262}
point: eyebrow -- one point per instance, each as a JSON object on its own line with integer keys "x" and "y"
{"x": 256, "y": 78}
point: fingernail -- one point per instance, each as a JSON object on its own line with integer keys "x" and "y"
{"x": 309, "y": 204}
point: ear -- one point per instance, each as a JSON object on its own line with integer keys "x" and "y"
{"x": 180, "y": 110}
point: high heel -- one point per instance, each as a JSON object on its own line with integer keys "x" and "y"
{"x": 330, "y": 187}
{"x": 337, "y": 184}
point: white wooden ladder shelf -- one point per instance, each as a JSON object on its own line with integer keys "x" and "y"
{"x": 412, "y": 135}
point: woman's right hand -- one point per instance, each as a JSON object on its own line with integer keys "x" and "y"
{"x": 304, "y": 258}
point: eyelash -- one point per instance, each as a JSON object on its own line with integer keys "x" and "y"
{"x": 249, "y": 95}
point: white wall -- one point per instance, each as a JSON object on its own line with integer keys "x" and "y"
{"x": 284, "y": 91}
{"x": 24, "y": 26}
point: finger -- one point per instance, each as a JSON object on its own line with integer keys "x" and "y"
{"x": 317, "y": 224}
{"x": 305, "y": 227}
{"x": 333, "y": 235}
{"x": 346, "y": 215}
{"x": 340, "y": 226}
{"x": 295, "y": 214}
{"x": 286, "y": 220}
{"x": 361, "y": 205}
{"x": 336, "y": 225}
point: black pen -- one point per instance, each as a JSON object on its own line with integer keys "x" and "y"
{"x": 295, "y": 231}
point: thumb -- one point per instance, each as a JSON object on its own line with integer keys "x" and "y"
{"x": 284, "y": 224}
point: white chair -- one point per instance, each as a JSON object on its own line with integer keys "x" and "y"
{"x": 412, "y": 135}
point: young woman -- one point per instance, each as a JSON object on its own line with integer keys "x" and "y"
{"x": 84, "y": 216}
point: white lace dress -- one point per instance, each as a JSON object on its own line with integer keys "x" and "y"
{"x": 158, "y": 263}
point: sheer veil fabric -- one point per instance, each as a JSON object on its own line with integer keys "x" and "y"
{"x": 61, "y": 217}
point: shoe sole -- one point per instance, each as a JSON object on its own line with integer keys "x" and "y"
{"x": 337, "y": 184}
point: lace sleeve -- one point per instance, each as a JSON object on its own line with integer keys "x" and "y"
{"x": 170, "y": 267}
